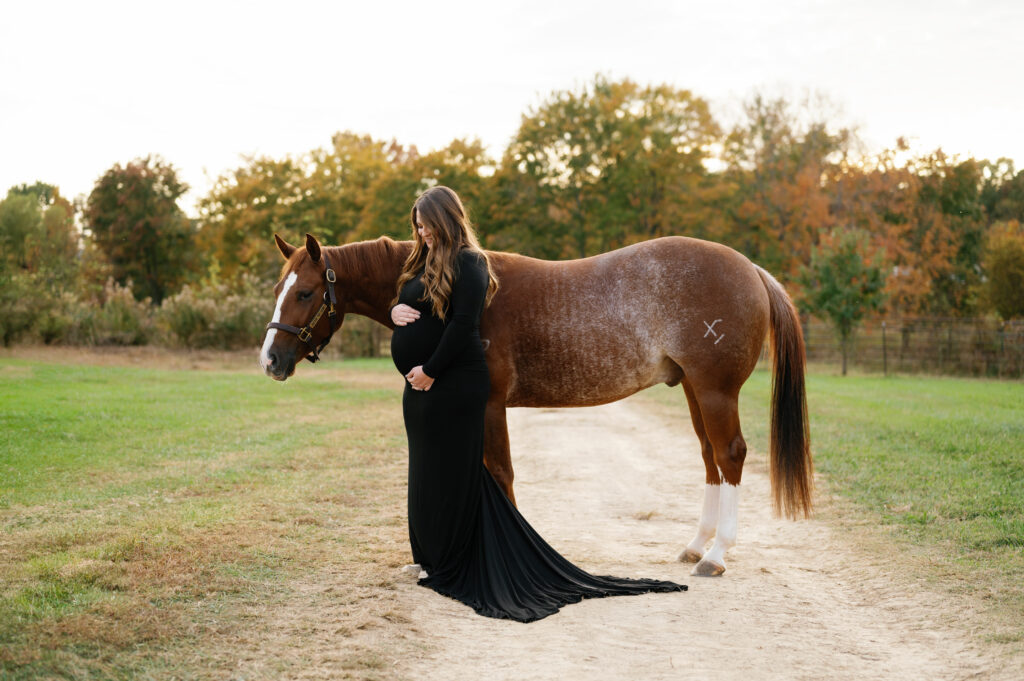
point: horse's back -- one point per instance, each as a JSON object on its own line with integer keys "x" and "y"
{"x": 598, "y": 329}
{"x": 660, "y": 262}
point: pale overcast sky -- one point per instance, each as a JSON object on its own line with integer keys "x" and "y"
{"x": 87, "y": 84}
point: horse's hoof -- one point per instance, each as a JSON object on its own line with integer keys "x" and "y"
{"x": 690, "y": 556}
{"x": 707, "y": 568}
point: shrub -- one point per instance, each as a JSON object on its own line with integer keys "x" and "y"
{"x": 218, "y": 315}
{"x": 55, "y": 322}
{"x": 20, "y": 302}
{"x": 28, "y": 309}
{"x": 361, "y": 337}
{"x": 120, "y": 319}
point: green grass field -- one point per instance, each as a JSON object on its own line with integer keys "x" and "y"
{"x": 149, "y": 516}
{"x": 941, "y": 458}
{"x": 147, "y": 513}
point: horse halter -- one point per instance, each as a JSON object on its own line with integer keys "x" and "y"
{"x": 330, "y": 306}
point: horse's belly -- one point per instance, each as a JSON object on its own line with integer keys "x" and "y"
{"x": 584, "y": 383}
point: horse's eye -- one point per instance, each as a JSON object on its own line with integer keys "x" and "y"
{"x": 305, "y": 295}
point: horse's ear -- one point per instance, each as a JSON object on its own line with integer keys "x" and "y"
{"x": 313, "y": 248}
{"x": 286, "y": 248}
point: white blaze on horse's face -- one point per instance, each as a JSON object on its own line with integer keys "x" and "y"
{"x": 268, "y": 342}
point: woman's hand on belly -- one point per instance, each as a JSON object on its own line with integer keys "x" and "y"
{"x": 419, "y": 380}
{"x": 403, "y": 314}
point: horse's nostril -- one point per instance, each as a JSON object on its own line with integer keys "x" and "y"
{"x": 273, "y": 359}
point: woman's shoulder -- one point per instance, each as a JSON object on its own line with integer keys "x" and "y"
{"x": 471, "y": 257}
{"x": 470, "y": 252}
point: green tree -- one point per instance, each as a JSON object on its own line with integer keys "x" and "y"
{"x": 1004, "y": 267}
{"x": 841, "y": 284}
{"x": 605, "y": 165}
{"x": 133, "y": 216}
{"x": 325, "y": 192}
{"x": 1002, "y": 191}
{"x": 358, "y": 188}
{"x": 243, "y": 211}
{"x": 460, "y": 165}
{"x": 951, "y": 190}
{"x": 21, "y": 224}
{"x": 38, "y": 259}
{"x": 52, "y": 243}
{"x": 344, "y": 178}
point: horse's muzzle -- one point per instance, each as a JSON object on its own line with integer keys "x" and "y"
{"x": 279, "y": 366}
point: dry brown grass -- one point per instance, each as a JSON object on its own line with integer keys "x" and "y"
{"x": 143, "y": 356}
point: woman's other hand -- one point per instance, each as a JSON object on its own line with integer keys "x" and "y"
{"x": 419, "y": 380}
{"x": 403, "y": 314}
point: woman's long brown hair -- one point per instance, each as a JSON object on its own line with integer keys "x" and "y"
{"x": 440, "y": 210}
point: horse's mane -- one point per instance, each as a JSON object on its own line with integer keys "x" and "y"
{"x": 367, "y": 257}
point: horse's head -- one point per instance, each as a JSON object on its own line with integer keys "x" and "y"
{"x": 307, "y": 312}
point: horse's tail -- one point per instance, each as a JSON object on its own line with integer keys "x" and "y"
{"x": 790, "y": 452}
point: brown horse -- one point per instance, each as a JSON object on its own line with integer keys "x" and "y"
{"x": 584, "y": 332}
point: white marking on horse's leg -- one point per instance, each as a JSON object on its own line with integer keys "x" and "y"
{"x": 694, "y": 551}
{"x": 713, "y": 562}
{"x": 268, "y": 342}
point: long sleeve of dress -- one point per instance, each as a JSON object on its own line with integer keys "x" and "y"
{"x": 465, "y": 305}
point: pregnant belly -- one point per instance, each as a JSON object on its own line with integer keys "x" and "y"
{"x": 413, "y": 344}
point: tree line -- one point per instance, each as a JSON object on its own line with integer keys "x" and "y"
{"x": 590, "y": 169}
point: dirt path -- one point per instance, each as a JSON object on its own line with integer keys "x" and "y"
{"x": 618, "y": 491}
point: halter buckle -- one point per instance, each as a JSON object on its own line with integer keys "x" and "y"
{"x": 304, "y": 334}
{"x": 331, "y": 276}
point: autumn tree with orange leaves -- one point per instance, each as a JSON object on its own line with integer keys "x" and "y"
{"x": 777, "y": 168}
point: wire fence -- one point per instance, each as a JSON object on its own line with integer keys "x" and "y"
{"x": 957, "y": 347}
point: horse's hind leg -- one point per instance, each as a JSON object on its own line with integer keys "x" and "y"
{"x": 720, "y": 414}
{"x": 694, "y": 551}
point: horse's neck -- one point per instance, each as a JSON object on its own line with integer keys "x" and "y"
{"x": 369, "y": 270}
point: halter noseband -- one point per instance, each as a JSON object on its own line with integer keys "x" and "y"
{"x": 330, "y": 306}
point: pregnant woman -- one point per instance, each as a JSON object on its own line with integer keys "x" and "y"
{"x": 466, "y": 535}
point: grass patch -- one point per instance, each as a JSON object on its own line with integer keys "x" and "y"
{"x": 154, "y": 522}
{"x": 936, "y": 462}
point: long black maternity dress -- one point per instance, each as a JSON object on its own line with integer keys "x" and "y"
{"x": 467, "y": 535}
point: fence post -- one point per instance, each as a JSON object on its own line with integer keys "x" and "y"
{"x": 885, "y": 353}
{"x": 1002, "y": 348}
{"x": 949, "y": 343}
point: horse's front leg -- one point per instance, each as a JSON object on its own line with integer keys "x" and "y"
{"x": 497, "y": 454}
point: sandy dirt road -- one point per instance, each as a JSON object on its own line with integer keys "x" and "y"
{"x": 617, "y": 490}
